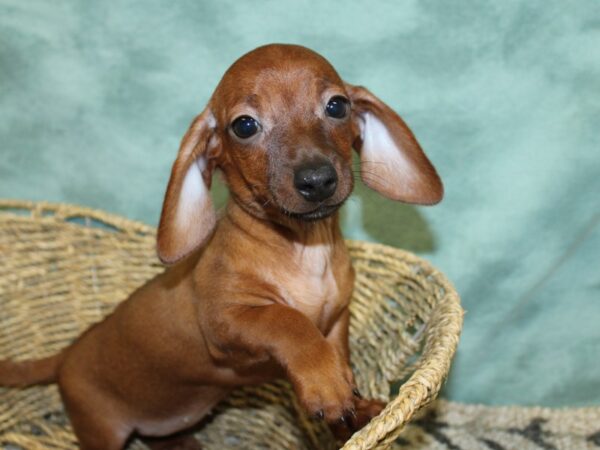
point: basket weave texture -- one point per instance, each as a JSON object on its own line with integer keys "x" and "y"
{"x": 64, "y": 267}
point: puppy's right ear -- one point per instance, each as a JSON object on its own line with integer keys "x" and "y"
{"x": 188, "y": 215}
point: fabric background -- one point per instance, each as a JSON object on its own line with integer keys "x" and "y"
{"x": 503, "y": 96}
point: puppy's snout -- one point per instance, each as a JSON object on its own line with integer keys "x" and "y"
{"x": 315, "y": 182}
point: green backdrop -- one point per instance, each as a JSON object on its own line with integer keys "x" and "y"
{"x": 504, "y": 97}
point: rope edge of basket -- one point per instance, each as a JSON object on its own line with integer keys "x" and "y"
{"x": 418, "y": 391}
{"x": 62, "y": 212}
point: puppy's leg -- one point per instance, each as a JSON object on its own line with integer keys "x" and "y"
{"x": 365, "y": 409}
{"x": 319, "y": 375}
{"x": 97, "y": 432}
{"x": 96, "y": 422}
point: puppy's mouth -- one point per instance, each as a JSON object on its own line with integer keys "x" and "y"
{"x": 321, "y": 212}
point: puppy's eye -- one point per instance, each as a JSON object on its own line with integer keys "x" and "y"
{"x": 337, "y": 107}
{"x": 244, "y": 127}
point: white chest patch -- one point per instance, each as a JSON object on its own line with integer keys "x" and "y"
{"x": 311, "y": 286}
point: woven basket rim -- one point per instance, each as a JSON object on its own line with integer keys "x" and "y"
{"x": 64, "y": 211}
{"x": 421, "y": 387}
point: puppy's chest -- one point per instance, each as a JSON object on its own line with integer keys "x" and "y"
{"x": 313, "y": 284}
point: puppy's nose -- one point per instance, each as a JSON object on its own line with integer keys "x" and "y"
{"x": 315, "y": 183}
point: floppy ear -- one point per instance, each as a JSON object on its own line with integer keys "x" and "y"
{"x": 188, "y": 215}
{"x": 392, "y": 162}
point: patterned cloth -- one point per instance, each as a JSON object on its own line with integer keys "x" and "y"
{"x": 455, "y": 426}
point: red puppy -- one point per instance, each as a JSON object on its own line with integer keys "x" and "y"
{"x": 263, "y": 291}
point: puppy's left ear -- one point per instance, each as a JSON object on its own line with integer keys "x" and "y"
{"x": 392, "y": 162}
{"x": 188, "y": 216}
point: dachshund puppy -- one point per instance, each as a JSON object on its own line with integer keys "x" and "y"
{"x": 262, "y": 291}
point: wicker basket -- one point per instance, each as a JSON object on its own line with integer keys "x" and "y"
{"x": 63, "y": 268}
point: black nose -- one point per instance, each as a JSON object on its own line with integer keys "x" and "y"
{"x": 315, "y": 182}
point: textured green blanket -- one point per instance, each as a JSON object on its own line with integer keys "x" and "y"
{"x": 504, "y": 97}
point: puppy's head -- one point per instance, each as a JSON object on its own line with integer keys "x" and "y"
{"x": 281, "y": 126}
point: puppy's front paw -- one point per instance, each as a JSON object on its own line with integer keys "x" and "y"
{"x": 325, "y": 388}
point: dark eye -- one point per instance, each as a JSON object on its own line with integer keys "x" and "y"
{"x": 337, "y": 107}
{"x": 244, "y": 127}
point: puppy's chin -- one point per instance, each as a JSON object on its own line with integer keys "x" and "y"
{"x": 314, "y": 215}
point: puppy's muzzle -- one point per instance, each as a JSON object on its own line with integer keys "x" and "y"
{"x": 315, "y": 182}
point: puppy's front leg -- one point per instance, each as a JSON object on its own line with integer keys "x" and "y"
{"x": 320, "y": 376}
